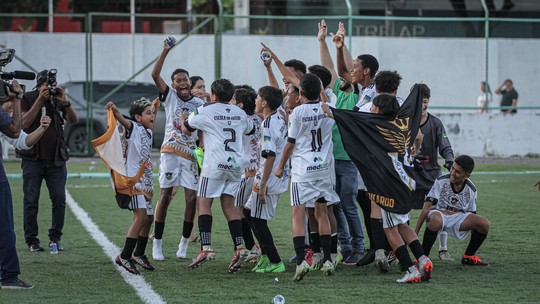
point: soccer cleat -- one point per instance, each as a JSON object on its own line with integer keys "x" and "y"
{"x": 143, "y": 261}
{"x": 425, "y": 266}
{"x": 35, "y": 248}
{"x": 126, "y": 264}
{"x": 337, "y": 258}
{"x": 293, "y": 259}
{"x": 157, "y": 253}
{"x": 16, "y": 284}
{"x": 203, "y": 256}
{"x": 301, "y": 271}
{"x": 381, "y": 262}
{"x": 275, "y": 268}
{"x": 473, "y": 260}
{"x": 353, "y": 259}
{"x": 328, "y": 268}
{"x": 368, "y": 258}
{"x": 317, "y": 261}
{"x": 239, "y": 259}
{"x": 182, "y": 248}
{"x": 445, "y": 255}
{"x": 391, "y": 256}
{"x": 411, "y": 276}
{"x": 254, "y": 255}
{"x": 263, "y": 262}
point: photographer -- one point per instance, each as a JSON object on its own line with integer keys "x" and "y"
{"x": 9, "y": 262}
{"x": 47, "y": 159}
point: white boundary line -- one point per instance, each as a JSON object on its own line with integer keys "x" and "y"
{"x": 143, "y": 289}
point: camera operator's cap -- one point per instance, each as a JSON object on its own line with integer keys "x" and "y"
{"x": 41, "y": 77}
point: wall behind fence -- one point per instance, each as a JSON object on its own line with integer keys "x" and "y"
{"x": 453, "y": 68}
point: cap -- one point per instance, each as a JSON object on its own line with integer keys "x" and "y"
{"x": 41, "y": 77}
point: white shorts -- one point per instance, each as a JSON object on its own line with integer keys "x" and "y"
{"x": 212, "y": 188}
{"x": 176, "y": 171}
{"x": 452, "y": 222}
{"x": 141, "y": 202}
{"x": 244, "y": 191}
{"x": 260, "y": 211}
{"x": 309, "y": 192}
{"x": 390, "y": 219}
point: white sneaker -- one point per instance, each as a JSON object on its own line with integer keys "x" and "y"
{"x": 182, "y": 248}
{"x": 157, "y": 253}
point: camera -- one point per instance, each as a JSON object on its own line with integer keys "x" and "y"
{"x": 51, "y": 83}
{"x": 5, "y": 77}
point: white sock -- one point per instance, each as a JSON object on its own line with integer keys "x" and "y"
{"x": 443, "y": 241}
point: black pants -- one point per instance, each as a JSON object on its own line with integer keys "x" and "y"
{"x": 34, "y": 172}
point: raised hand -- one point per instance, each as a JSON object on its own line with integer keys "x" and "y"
{"x": 321, "y": 36}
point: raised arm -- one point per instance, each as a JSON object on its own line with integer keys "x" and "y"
{"x": 33, "y": 137}
{"x": 71, "y": 115}
{"x": 326, "y": 59}
{"x": 287, "y": 74}
{"x": 124, "y": 122}
{"x": 156, "y": 72}
{"x": 272, "y": 80}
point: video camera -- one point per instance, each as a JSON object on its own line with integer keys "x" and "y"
{"x": 5, "y": 57}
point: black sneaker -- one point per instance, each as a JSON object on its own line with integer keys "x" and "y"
{"x": 35, "y": 248}
{"x": 353, "y": 259}
{"x": 367, "y": 259}
{"x": 16, "y": 284}
{"x": 143, "y": 261}
{"x": 126, "y": 264}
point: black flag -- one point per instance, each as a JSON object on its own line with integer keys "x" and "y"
{"x": 380, "y": 146}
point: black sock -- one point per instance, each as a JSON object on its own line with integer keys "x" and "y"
{"x": 476, "y": 241}
{"x": 333, "y": 249}
{"x": 186, "y": 230}
{"x": 267, "y": 240}
{"x": 428, "y": 240}
{"x": 326, "y": 244}
{"x": 141, "y": 246}
{"x": 403, "y": 256}
{"x": 205, "y": 228}
{"x": 315, "y": 241}
{"x": 129, "y": 246}
{"x": 416, "y": 249}
{"x": 365, "y": 205}
{"x": 158, "y": 230}
{"x": 246, "y": 234}
{"x": 235, "y": 228}
{"x": 379, "y": 238}
{"x": 298, "y": 242}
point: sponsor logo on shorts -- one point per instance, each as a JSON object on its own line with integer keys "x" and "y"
{"x": 168, "y": 175}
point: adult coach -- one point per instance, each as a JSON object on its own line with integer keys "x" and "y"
{"x": 177, "y": 162}
{"x": 451, "y": 206}
{"x": 509, "y": 96}
{"x": 47, "y": 159}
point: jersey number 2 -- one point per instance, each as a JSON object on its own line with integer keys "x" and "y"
{"x": 229, "y": 140}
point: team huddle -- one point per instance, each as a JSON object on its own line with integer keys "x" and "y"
{"x": 247, "y": 147}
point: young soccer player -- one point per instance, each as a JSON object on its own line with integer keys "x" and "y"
{"x": 177, "y": 162}
{"x": 451, "y": 206}
{"x": 222, "y": 125}
{"x": 138, "y": 134}
{"x": 267, "y": 187}
{"x": 309, "y": 143}
{"x": 245, "y": 99}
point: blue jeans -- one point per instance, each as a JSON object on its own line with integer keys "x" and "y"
{"x": 9, "y": 262}
{"x": 350, "y": 232}
{"x": 34, "y": 172}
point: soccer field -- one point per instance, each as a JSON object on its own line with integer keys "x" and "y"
{"x": 84, "y": 272}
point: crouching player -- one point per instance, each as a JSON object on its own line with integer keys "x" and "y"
{"x": 267, "y": 187}
{"x": 451, "y": 206}
{"x": 138, "y": 133}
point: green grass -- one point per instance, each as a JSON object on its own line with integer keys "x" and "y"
{"x": 84, "y": 274}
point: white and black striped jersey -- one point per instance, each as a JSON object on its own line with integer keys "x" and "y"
{"x": 137, "y": 149}
{"x": 272, "y": 141}
{"x": 444, "y": 197}
{"x": 174, "y": 140}
{"x": 311, "y": 132}
{"x": 223, "y": 127}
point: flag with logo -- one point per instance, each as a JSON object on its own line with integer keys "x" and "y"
{"x": 380, "y": 146}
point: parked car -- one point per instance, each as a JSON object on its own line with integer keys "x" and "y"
{"x": 76, "y": 134}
